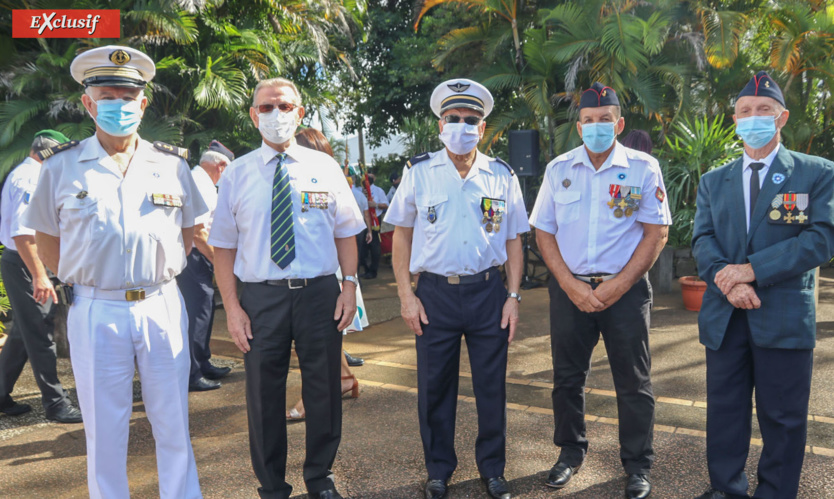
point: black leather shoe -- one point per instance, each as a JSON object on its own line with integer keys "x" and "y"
{"x": 560, "y": 475}
{"x": 214, "y": 372}
{"x": 354, "y": 361}
{"x": 638, "y": 486}
{"x": 203, "y": 385}
{"x": 66, "y": 414}
{"x": 498, "y": 487}
{"x": 369, "y": 275}
{"x": 326, "y": 494}
{"x": 435, "y": 489}
{"x": 713, "y": 494}
{"x": 12, "y": 408}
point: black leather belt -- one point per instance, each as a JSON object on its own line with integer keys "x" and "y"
{"x": 296, "y": 283}
{"x": 490, "y": 273}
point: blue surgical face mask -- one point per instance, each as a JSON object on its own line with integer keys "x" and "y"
{"x": 598, "y": 137}
{"x": 756, "y": 131}
{"x": 118, "y": 117}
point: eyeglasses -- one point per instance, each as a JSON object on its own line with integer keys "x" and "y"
{"x": 268, "y": 108}
{"x": 469, "y": 120}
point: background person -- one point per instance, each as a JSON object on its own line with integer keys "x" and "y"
{"x": 31, "y": 293}
{"x": 196, "y": 280}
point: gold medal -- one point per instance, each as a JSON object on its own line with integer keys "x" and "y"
{"x": 496, "y": 227}
{"x": 629, "y": 212}
{"x": 486, "y": 218}
{"x": 801, "y": 218}
{"x": 618, "y": 212}
{"x": 489, "y": 227}
{"x": 775, "y": 215}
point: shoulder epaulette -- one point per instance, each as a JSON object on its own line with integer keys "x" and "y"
{"x": 56, "y": 149}
{"x": 416, "y": 159}
{"x": 178, "y": 151}
{"x": 507, "y": 165}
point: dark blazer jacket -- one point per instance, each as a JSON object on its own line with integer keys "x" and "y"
{"x": 783, "y": 256}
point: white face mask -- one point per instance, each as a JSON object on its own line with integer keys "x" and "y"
{"x": 460, "y": 138}
{"x": 277, "y": 127}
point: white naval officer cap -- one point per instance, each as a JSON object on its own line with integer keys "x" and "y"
{"x": 461, "y": 92}
{"x": 113, "y": 66}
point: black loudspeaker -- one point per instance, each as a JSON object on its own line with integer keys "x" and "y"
{"x": 524, "y": 152}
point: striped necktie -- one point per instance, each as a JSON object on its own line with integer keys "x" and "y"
{"x": 283, "y": 237}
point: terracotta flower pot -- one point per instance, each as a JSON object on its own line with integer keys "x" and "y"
{"x": 692, "y": 289}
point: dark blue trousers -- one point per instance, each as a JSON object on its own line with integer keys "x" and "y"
{"x": 782, "y": 382}
{"x": 197, "y": 290}
{"x": 471, "y": 311}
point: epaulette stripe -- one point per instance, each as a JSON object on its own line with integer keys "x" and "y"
{"x": 507, "y": 165}
{"x": 178, "y": 151}
{"x": 416, "y": 159}
{"x": 46, "y": 153}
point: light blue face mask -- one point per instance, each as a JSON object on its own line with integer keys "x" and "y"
{"x": 119, "y": 117}
{"x": 598, "y": 137}
{"x": 756, "y": 131}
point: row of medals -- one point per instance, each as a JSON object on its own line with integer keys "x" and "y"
{"x": 790, "y": 201}
{"x": 493, "y": 223}
{"x": 629, "y": 200}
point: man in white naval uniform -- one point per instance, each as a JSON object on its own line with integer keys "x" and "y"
{"x": 114, "y": 214}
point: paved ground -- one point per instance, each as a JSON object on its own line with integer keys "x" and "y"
{"x": 381, "y": 457}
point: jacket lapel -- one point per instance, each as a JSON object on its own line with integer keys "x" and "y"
{"x": 782, "y": 164}
{"x": 735, "y": 193}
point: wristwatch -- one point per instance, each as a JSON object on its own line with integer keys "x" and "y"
{"x": 514, "y": 295}
{"x": 351, "y": 278}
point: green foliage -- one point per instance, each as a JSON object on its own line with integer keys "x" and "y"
{"x": 5, "y": 306}
{"x": 693, "y": 147}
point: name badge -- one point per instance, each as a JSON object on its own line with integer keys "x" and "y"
{"x": 171, "y": 200}
{"x": 313, "y": 200}
{"x": 789, "y": 209}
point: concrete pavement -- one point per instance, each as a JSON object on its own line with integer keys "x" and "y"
{"x": 381, "y": 455}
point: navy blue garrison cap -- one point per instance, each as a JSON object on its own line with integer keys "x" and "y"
{"x": 216, "y": 146}
{"x": 597, "y": 96}
{"x": 762, "y": 85}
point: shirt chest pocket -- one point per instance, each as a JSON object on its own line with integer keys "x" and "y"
{"x": 432, "y": 212}
{"x": 85, "y": 215}
{"x": 567, "y": 207}
{"x": 162, "y": 213}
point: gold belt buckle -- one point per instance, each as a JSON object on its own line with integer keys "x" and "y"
{"x": 135, "y": 294}
{"x": 453, "y": 279}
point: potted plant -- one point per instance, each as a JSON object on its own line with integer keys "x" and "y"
{"x": 693, "y": 147}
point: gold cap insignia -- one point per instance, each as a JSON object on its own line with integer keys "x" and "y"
{"x": 604, "y": 92}
{"x": 767, "y": 84}
{"x": 119, "y": 57}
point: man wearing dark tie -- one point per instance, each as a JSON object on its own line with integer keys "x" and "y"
{"x": 764, "y": 223}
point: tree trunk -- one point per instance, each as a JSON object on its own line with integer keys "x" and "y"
{"x": 360, "y": 135}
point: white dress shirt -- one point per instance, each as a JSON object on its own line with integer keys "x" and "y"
{"x": 747, "y": 172}
{"x": 115, "y": 230}
{"x": 17, "y": 192}
{"x": 572, "y": 204}
{"x": 208, "y": 191}
{"x": 243, "y": 217}
{"x": 457, "y": 242}
{"x": 361, "y": 200}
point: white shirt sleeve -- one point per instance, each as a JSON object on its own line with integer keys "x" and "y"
{"x": 193, "y": 205}
{"x": 348, "y": 220}
{"x": 41, "y": 214}
{"x": 224, "y": 230}
{"x": 543, "y": 215}
{"x": 517, "y": 222}
{"x": 19, "y": 196}
{"x": 403, "y": 209}
{"x": 654, "y": 204}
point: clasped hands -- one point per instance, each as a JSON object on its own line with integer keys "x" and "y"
{"x": 588, "y": 299}
{"x": 734, "y": 281}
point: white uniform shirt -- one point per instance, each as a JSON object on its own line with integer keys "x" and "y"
{"x": 747, "y": 172}
{"x": 361, "y": 200}
{"x": 573, "y": 204}
{"x": 243, "y": 217}
{"x": 17, "y": 191}
{"x": 113, "y": 235}
{"x": 457, "y": 243}
{"x": 208, "y": 191}
{"x": 391, "y": 192}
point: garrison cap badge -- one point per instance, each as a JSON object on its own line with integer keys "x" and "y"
{"x": 762, "y": 85}
{"x": 461, "y": 93}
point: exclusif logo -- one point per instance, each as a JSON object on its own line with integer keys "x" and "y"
{"x": 66, "y": 23}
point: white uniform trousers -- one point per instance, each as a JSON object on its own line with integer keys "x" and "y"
{"x": 106, "y": 337}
